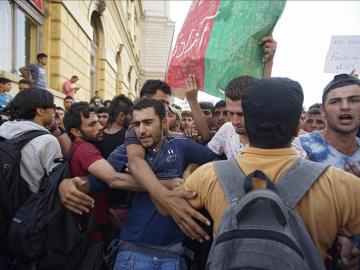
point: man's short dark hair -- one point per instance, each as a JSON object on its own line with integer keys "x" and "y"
{"x": 151, "y": 103}
{"x": 313, "y": 111}
{"x": 74, "y": 77}
{"x": 272, "y": 108}
{"x": 151, "y": 86}
{"x": 25, "y": 81}
{"x": 236, "y": 87}
{"x": 4, "y": 80}
{"x": 206, "y": 105}
{"x": 340, "y": 80}
{"x": 120, "y": 103}
{"x": 72, "y": 118}
{"x": 25, "y": 103}
{"x": 186, "y": 114}
{"x": 59, "y": 109}
{"x": 69, "y": 97}
{"x": 315, "y": 106}
{"x": 103, "y": 110}
{"x": 40, "y": 56}
{"x": 107, "y": 101}
{"x": 220, "y": 104}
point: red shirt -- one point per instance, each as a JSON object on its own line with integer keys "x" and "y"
{"x": 84, "y": 155}
{"x": 68, "y": 89}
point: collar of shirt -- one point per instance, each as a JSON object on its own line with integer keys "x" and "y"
{"x": 268, "y": 152}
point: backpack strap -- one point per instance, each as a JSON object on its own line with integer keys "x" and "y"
{"x": 297, "y": 180}
{"x": 23, "y": 139}
{"x": 231, "y": 178}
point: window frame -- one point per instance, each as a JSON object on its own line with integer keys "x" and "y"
{"x": 35, "y": 16}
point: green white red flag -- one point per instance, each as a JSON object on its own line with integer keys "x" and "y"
{"x": 219, "y": 41}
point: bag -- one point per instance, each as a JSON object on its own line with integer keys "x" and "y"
{"x": 13, "y": 188}
{"x": 43, "y": 232}
{"x": 260, "y": 229}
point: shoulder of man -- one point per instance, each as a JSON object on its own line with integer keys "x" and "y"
{"x": 32, "y": 66}
{"x": 202, "y": 181}
{"x": 130, "y": 136}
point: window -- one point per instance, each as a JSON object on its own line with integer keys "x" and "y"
{"x": 93, "y": 67}
{"x": 5, "y": 33}
{"x": 94, "y": 53}
{"x": 20, "y": 27}
{"x": 26, "y": 38}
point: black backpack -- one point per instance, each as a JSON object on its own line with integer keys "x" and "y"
{"x": 43, "y": 234}
{"x": 13, "y": 188}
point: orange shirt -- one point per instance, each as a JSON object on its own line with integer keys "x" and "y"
{"x": 332, "y": 203}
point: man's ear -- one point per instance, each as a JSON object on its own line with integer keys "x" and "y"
{"x": 40, "y": 111}
{"x": 323, "y": 113}
{"x": 164, "y": 122}
{"x": 75, "y": 132}
{"x": 121, "y": 116}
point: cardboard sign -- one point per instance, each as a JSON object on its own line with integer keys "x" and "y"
{"x": 343, "y": 55}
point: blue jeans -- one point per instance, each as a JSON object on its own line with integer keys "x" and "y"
{"x": 5, "y": 261}
{"x": 128, "y": 260}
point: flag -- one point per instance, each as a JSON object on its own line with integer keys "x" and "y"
{"x": 219, "y": 41}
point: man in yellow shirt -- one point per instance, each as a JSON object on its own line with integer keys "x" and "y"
{"x": 272, "y": 109}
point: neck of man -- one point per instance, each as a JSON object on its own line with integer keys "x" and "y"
{"x": 113, "y": 128}
{"x": 159, "y": 144}
{"x": 38, "y": 121}
{"x": 344, "y": 143}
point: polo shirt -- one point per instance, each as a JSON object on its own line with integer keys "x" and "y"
{"x": 332, "y": 203}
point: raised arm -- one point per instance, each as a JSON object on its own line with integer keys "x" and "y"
{"x": 269, "y": 46}
{"x": 191, "y": 96}
{"x": 25, "y": 72}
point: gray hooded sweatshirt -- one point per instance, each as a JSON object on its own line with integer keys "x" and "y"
{"x": 37, "y": 156}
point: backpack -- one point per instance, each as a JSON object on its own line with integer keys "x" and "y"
{"x": 260, "y": 229}
{"x": 13, "y": 188}
{"x": 43, "y": 234}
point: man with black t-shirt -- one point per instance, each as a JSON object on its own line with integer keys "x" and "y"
{"x": 119, "y": 119}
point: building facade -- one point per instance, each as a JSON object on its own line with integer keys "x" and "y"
{"x": 97, "y": 40}
{"x": 156, "y": 37}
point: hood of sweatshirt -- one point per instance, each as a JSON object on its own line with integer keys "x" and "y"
{"x": 13, "y": 129}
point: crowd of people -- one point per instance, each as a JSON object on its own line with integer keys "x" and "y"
{"x": 150, "y": 182}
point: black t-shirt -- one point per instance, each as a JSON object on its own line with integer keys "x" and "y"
{"x": 106, "y": 146}
{"x": 110, "y": 142}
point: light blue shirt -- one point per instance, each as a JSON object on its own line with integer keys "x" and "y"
{"x": 319, "y": 150}
{"x": 5, "y": 99}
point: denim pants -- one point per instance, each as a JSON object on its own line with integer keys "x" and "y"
{"x": 128, "y": 260}
{"x": 5, "y": 261}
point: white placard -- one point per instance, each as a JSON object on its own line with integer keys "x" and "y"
{"x": 343, "y": 55}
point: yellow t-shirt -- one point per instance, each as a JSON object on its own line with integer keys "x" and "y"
{"x": 332, "y": 203}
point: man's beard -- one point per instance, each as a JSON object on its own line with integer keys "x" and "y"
{"x": 99, "y": 137}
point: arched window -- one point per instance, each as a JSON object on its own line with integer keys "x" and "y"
{"x": 94, "y": 51}
{"x": 119, "y": 76}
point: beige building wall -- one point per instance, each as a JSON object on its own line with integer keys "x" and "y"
{"x": 157, "y": 32}
{"x": 67, "y": 37}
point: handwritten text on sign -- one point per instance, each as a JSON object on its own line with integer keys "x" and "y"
{"x": 343, "y": 55}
